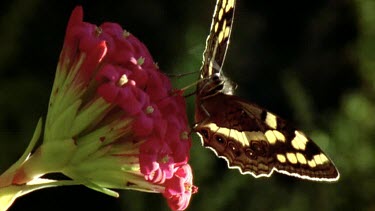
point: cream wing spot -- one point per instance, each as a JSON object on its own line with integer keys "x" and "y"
{"x": 299, "y": 141}
{"x": 271, "y": 120}
{"x": 291, "y": 157}
{"x": 281, "y": 158}
{"x": 301, "y": 158}
{"x": 311, "y": 163}
{"x": 239, "y": 136}
{"x": 323, "y": 158}
{"x": 302, "y": 137}
{"x": 221, "y": 36}
{"x": 318, "y": 160}
{"x": 221, "y": 14}
{"x": 244, "y": 140}
{"x": 227, "y": 31}
{"x": 224, "y": 4}
{"x": 243, "y": 137}
{"x": 295, "y": 143}
{"x": 224, "y": 25}
{"x": 271, "y": 138}
{"x": 279, "y": 136}
{"x": 229, "y": 5}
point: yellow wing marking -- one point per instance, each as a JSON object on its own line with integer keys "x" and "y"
{"x": 320, "y": 159}
{"x": 301, "y": 158}
{"x": 291, "y": 157}
{"x": 281, "y": 158}
{"x": 311, "y": 163}
{"x": 299, "y": 141}
{"x": 273, "y": 136}
{"x": 255, "y": 112}
{"x": 271, "y": 120}
{"x": 229, "y": 5}
{"x": 243, "y": 137}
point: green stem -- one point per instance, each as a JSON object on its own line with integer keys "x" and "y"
{"x": 7, "y": 176}
{"x": 32, "y": 143}
{"x": 10, "y": 193}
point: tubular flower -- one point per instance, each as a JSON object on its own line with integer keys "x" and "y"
{"x": 107, "y": 122}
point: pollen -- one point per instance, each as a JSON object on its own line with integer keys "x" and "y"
{"x": 149, "y": 110}
{"x": 184, "y": 135}
{"x": 125, "y": 34}
{"x": 98, "y": 31}
{"x": 156, "y": 65}
{"x": 164, "y": 159}
{"x": 188, "y": 187}
{"x": 140, "y": 61}
{"x": 123, "y": 80}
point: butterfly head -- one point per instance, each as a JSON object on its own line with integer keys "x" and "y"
{"x": 214, "y": 84}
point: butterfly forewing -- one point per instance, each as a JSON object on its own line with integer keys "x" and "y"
{"x": 248, "y": 137}
{"x": 218, "y": 40}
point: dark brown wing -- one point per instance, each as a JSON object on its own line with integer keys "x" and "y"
{"x": 258, "y": 142}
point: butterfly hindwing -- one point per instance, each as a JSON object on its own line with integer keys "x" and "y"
{"x": 258, "y": 142}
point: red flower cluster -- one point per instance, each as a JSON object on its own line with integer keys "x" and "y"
{"x": 123, "y": 73}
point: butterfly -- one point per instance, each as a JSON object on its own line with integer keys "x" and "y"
{"x": 250, "y": 138}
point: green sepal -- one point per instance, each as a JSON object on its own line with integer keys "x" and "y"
{"x": 61, "y": 127}
{"x": 98, "y": 188}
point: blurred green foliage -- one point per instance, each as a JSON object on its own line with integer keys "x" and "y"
{"x": 312, "y": 63}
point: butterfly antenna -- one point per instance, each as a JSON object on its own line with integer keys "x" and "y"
{"x": 189, "y": 86}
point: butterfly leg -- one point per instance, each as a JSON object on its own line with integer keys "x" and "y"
{"x": 205, "y": 119}
{"x": 205, "y": 111}
{"x": 191, "y": 94}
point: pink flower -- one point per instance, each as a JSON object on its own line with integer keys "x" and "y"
{"x": 112, "y": 109}
{"x": 179, "y": 188}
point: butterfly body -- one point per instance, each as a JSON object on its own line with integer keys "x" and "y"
{"x": 250, "y": 138}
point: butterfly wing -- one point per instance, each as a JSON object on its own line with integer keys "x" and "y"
{"x": 218, "y": 40}
{"x": 258, "y": 142}
{"x": 248, "y": 137}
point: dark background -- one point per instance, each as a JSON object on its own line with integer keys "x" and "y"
{"x": 311, "y": 62}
